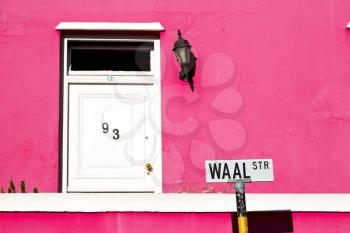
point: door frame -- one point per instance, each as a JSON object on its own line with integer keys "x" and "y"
{"x": 151, "y": 78}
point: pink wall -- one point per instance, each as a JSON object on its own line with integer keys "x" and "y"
{"x": 272, "y": 81}
{"x": 113, "y": 222}
{"x": 170, "y": 223}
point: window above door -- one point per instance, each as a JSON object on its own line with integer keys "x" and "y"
{"x": 98, "y": 57}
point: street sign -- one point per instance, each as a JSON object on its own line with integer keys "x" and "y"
{"x": 233, "y": 170}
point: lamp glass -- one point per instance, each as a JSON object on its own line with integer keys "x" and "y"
{"x": 183, "y": 55}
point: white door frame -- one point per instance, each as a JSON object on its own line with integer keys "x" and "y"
{"x": 139, "y": 78}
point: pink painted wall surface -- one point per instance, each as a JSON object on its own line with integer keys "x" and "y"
{"x": 170, "y": 223}
{"x": 113, "y": 222}
{"x": 272, "y": 82}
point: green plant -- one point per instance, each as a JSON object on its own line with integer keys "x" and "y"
{"x": 12, "y": 187}
{"x": 23, "y": 186}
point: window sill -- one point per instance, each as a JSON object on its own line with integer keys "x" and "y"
{"x": 143, "y": 202}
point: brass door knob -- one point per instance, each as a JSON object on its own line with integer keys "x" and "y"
{"x": 149, "y": 168}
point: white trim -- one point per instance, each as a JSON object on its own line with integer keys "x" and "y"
{"x": 147, "y": 202}
{"x": 117, "y": 79}
{"x": 104, "y": 26}
{"x": 348, "y": 25}
{"x": 64, "y": 165}
{"x": 152, "y": 77}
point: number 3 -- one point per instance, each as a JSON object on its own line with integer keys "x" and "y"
{"x": 116, "y": 134}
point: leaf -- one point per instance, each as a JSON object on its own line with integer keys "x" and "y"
{"x": 23, "y": 186}
{"x": 12, "y": 186}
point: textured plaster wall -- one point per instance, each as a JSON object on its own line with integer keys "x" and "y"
{"x": 170, "y": 223}
{"x": 272, "y": 82}
{"x": 113, "y": 222}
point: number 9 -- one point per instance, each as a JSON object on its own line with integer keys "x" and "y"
{"x": 105, "y": 127}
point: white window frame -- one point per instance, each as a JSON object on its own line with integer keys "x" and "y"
{"x": 120, "y": 77}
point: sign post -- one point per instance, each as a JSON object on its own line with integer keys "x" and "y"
{"x": 239, "y": 172}
{"x": 241, "y": 207}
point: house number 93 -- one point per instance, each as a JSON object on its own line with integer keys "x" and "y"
{"x": 105, "y": 129}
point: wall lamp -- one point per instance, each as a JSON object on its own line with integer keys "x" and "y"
{"x": 186, "y": 59}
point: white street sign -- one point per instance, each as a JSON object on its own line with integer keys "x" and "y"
{"x": 233, "y": 170}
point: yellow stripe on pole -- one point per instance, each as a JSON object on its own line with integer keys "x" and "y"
{"x": 243, "y": 224}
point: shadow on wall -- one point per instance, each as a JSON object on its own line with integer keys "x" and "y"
{"x": 267, "y": 222}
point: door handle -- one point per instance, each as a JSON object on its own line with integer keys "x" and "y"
{"x": 149, "y": 168}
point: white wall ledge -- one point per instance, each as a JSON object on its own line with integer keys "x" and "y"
{"x": 101, "y": 26}
{"x": 143, "y": 202}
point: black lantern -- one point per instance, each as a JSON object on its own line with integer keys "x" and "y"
{"x": 186, "y": 59}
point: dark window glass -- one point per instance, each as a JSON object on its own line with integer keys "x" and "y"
{"x": 110, "y": 56}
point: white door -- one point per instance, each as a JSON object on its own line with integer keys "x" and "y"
{"x": 109, "y": 138}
